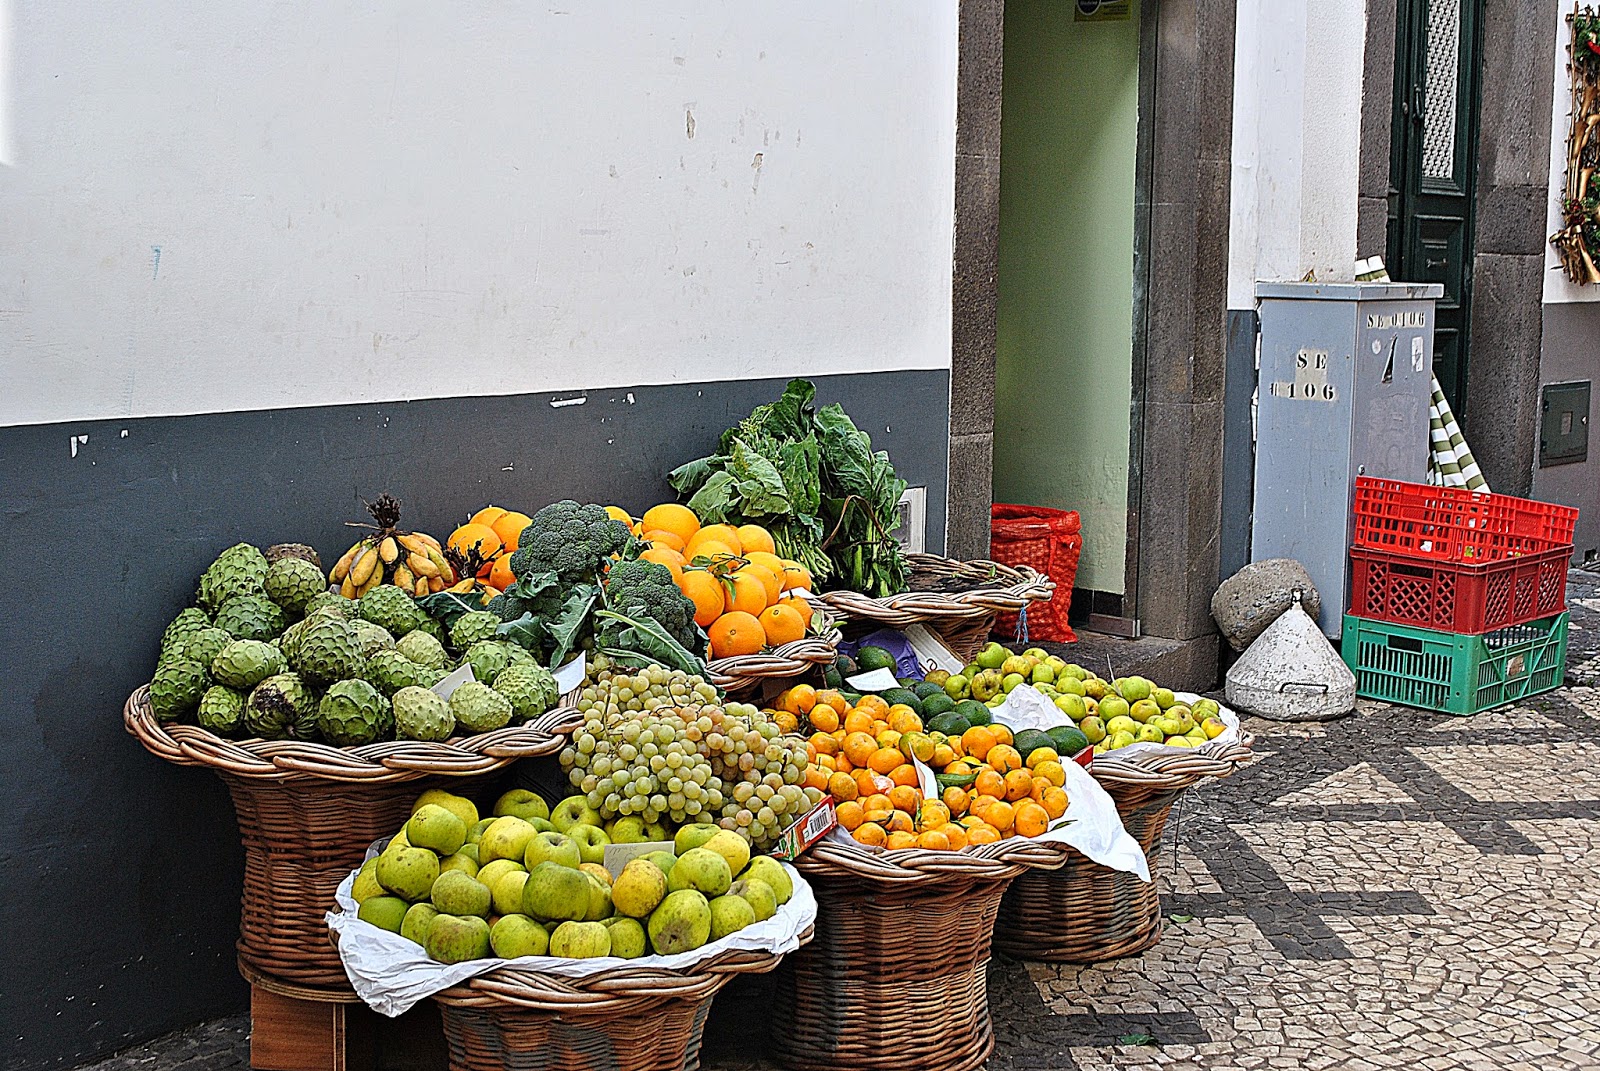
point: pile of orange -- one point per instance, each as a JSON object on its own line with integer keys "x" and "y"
{"x": 746, "y": 597}
{"x": 862, "y": 756}
{"x": 493, "y": 532}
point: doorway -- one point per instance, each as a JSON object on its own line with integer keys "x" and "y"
{"x": 1432, "y": 165}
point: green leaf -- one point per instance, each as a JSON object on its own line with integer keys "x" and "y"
{"x": 1180, "y": 919}
{"x": 526, "y": 631}
{"x": 1138, "y": 1039}
{"x": 534, "y": 585}
{"x": 798, "y": 465}
{"x": 622, "y": 636}
{"x": 688, "y": 478}
{"x": 790, "y": 417}
{"x": 446, "y": 606}
{"x": 761, "y": 488}
{"x": 715, "y": 497}
{"x": 570, "y": 625}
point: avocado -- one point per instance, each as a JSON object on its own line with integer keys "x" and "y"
{"x": 937, "y": 703}
{"x": 1069, "y": 740}
{"x": 975, "y": 712}
{"x": 924, "y": 689}
{"x": 1030, "y": 740}
{"x": 950, "y": 723}
{"x": 832, "y": 677}
{"x": 870, "y": 658}
{"x": 896, "y": 696}
{"x": 845, "y": 665}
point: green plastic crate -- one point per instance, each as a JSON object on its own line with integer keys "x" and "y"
{"x": 1452, "y": 672}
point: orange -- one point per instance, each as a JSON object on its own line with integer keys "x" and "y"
{"x": 736, "y": 633}
{"x": 799, "y": 699}
{"x": 1032, "y": 819}
{"x": 842, "y": 763}
{"x": 872, "y": 705}
{"x": 745, "y": 592}
{"x": 617, "y": 513}
{"x": 859, "y": 748}
{"x": 857, "y": 721}
{"x": 712, "y": 550}
{"x": 879, "y": 727}
{"x": 884, "y": 760}
{"x": 870, "y": 834}
{"x": 943, "y": 755}
{"x": 842, "y": 787}
{"x": 876, "y": 814}
{"x": 824, "y": 762}
{"x": 877, "y": 802}
{"x": 903, "y": 719}
{"x": 658, "y": 538}
{"x": 1019, "y": 784}
{"x": 888, "y": 738}
{"x": 796, "y": 576}
{"x": 1002, "y": 734}
{"x": 978, "y": 740}
{"x": 1050, "y": 772}
{"x": 824, "y": 717}
{"x": 904, "y": 774}
{"x": 1000, "y": 814}
{"x": 932, "y": 814}
{"x": 956, "y": 800}
{"x": 868, "y": 782}
{"x": 706, "y": 594}
{"x": 957, "y": 835}
{"x": 850, "y": 815}
{"x": 825, "y": 744}
{"x": 487, "y": 515}
{"x": 721, "y": 534}
{"x": 508, "y": 526}
{"x": 769, "y": 582}
{"x": 786, "y": 722}
{"x": 900, "y": 822}
{"x": 991, "y": 784}
{"x": 782, "y": 625}
{"x": 471, "y": 535}
{"x": 817, "y": 777}
{"x": 754, "y": 537}
{"x": 770, "y": 562}
{"x": 900, "y": 839}
{"x": 1040, "y": 755}
{"x": 671, "y": 517}
{"x": 833, "y": 698}
{"x": 1004, "y": 757}
{"x": 799, "y": 606}
{"x": 1054, "y": 802}
{"x": 905, "y": 798}
{"x": 982, "y": 833}
{"x": 500, "y": 575}
{"x": 669, "y": 559}
{"x": 934, "y": 840}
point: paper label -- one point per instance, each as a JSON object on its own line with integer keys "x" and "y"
{"x": 930, "y": 651}
{"x": 925, "y": 780}
{"x": 877, "y": 680}
{"x": 455, "y": 680}
{"x": 620, "y": 855}
{"x": 810, "y": 828}
{"x": 572, "y": 674}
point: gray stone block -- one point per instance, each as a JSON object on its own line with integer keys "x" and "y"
{"x": 1254, "y": 597}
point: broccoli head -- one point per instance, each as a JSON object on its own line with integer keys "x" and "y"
{"x": 568, "y": 539}
{"x": 645, "y": 588}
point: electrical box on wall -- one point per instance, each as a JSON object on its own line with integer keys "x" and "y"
{"x": 1564, "y": 423}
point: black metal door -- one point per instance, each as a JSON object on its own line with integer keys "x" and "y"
{"x": 1433, "y": 158}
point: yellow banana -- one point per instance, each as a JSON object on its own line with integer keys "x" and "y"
{"x": 422, "y": 565}
{"x": 412, "y": 541}
{"x": 422, "y": 586}
{"x": 347, "y": 588}
{"x": 444, "y": 567}
{"x": 389, "y": 551}
{"x": 374, "y": 580}
{"x": 435, "y": 584}
{"x": 365, "y": 567}
{"x": 428, "y": 539}
{"x": 403, "y": 578}
{"x": 341, "y": 569}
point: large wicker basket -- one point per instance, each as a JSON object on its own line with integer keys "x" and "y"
{"x": 896, "y": 976}
{"x": 743, "y": 673}
{"x": 308, "y": 812}
{"x": 963, "y": 619}
{"x": 628, "y": 1019}
{"x": 1084, "y": 912}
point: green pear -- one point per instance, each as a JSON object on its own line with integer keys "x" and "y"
{"x": 694, "y": 836}
{"x": 437, "y": 829}
{"x": 627, "y": 937}
{"x": 763, "y": 901}
{"x": 734, "y": 849}
{"x": 460, "y": 806}
{"x": 418, "y": 921}
{"x": 554, "y": 892}
{"x": 506, "y": 838}
{"x": 730, "y": 914}
{"x": 409, "y": 873}
{"x": 681, "y": 924}
{"x": 506, "y": 893}
{"x": 366, "y": 886}
{"x": 639, "y": 888}
{"x": 580, "y": 940}
{"x": 455, "y": 893}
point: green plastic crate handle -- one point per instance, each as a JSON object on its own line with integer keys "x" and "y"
{"x": 1405, "y": 643}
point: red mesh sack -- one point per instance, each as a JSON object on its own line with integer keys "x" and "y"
{"x": 1045, "y": 539}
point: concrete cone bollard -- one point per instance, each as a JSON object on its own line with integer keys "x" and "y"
{"x": 1292, "y": 673}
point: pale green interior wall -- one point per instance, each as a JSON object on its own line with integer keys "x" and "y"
{"x": 1069, "y": 129}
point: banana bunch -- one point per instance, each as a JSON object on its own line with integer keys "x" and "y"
{"x": 412, "y": 561}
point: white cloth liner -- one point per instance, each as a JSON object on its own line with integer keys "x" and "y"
{"x": 393, "y": 974}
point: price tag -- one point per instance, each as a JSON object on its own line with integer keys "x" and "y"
{"x": 455, "y": 680}
{"x": 877, "y": 680}
{"x": 572, "y": 674}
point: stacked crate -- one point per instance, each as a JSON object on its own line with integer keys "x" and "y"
{"x": 1457, "y": 597}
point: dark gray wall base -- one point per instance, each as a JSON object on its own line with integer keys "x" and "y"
{"x": 1571, "y": 352}
{"x": 120, "y": 873}
{"x": 1238, "y": 442}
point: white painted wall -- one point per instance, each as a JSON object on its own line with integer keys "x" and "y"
{"x": 1296, "y": 142}
{"x": 223, "y": 206}
{"x": 1558, "y": 288}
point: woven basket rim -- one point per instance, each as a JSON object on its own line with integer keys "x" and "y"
{"x": 920, "y": 866}
{"x": 611, "y": 989}
{"x": 397, "y": 760}
{"x": 1016, "y": 587}
{"x": 741, "y": 672}
{"x": 1175, "y": 768}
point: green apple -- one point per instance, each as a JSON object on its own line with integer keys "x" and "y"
{"x": 574, "y": 811}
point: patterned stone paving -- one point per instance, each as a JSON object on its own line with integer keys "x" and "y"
{"x": 1394, "y": 890}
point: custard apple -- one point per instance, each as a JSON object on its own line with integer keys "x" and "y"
{"x": 390, "y": 671}
{"x": 372, "y": 638}
{"x": 246, "y": 663}
{"x": 292, "y": 583}
{"x": 187, "y": 623}
{"x": 251, "y": 617}
{"x": 328, "y": 650}
{"x": 472, "y": 626}
{"x": 423, "y": 649}
{"x": 349, "y": 609}
{"x": 530, "y": 688}
{"x": 432, "y": 627}
{"x": 276, "y": 704}
{"x": 477, "y": 708}
{"x": 176, "y": 689}
{"x": 419, "y": 714}
{"x": 221, "y": 710}
{"x": 354, "y": 713}
{"x": 392, "y": 608}
{"x": 239, "y": 570}
{"x": 489, "y": 658}
{"x": 201, "y": 646}
{"x": 279, "y": 551}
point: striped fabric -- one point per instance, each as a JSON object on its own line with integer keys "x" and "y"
{"x": 1450, "y": 463}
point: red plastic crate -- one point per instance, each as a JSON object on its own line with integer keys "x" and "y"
{"x": 1465, "y": 597}
{"x": 1452, "y": 524}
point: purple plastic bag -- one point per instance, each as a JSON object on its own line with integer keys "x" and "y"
{"x": 906, "y": 665}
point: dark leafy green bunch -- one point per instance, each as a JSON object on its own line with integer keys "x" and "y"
{"x": 811, "y": 477}
{"x": 569, "y": 539}
{"x": 644, "y": 589}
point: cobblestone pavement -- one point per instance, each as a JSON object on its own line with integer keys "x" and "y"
{"x": 1395, "y": 889}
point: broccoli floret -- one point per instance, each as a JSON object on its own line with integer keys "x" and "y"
{"x": 641, "y": 587}
{"x": 568, "y": 539}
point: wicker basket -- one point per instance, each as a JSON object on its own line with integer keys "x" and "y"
{"x": 628, "y": 1019}
{"x": 1084, "y": 912}
{"x": 867, "y": 994}
{"x": 743, "y": 673}
{"x": 308, "y": 812}
{"x": 963, "y": 619}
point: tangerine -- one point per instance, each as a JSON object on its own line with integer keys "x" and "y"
{"x": 1054, "y": 802}
{"x": 500, "y": 574}
{"x": 1051, "y": 772}
{"x": 799, "y": 699}
{"x": 824, "y": 717}
{"x": 905, "y": 774}
{"x": 991, "y": 784}
{"x": 471, "y": 535}
{"x": 1001, "y": 815}
{"x": 850, "y": 815}
{"x": 903, "y": 719}
{"x": 1019, "y": 785}
{"x": 872, "y": 705}
{"x": 956, "y": 800}
{"x": 857, "y": 721}
{"x": 656, "y": 537}
{"x": 843, "y": 787}
{"x": 977, "y": 741}
{"x": 746, "y": 592}
{"x": 735, "y": 633}
{"x": 666, "y": 557}
{"x": 957, "y": 835}
{"x": 900, "y": 822}
{"x": 835, "y": 699}
{"x": 725, "y": 534}
{"x": 1004, "y": 757}
{"x": 770, "y": 562}
{"x": 617, "y": 513}
{"x": 982, "y": 833}
{"x": 933, "y": 814}
{"x": 824, "y": 742}
{"x": 1031, "y": 819}
{"x": 905, "y": 798}
{"x": 799, "y": 606}
{"x": 871, "y": 834}
{"x": 899, "y": 839}
{"x": 884, "y": 760}
{"x": 488, "y": 515}
{"x": 796, "y": 576}
{"x": 934, "y": 840}
{"x": 1002, "y": 733}
{"x": 859, "y": 748}
{"x": 877, "y": 802}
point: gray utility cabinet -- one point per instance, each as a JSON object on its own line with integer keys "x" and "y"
{"x": 1343, "y": 391}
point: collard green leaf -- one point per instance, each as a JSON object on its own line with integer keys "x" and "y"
{"x": 690, "y": 477}
{"x": 715, "y": 498}
{"x": 446, "y": 606}
{"x": 798, "y": 465}
{"x": 629, "y": 638}
{"x": 526, "y": 631}
{"x": 790, "y": 417}
{"x": 573, "y": 623}
{"x": 534, "y": 585}
{"x": 761, "y": 488}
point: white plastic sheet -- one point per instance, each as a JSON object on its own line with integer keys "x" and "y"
{"x": 392, "y": 974}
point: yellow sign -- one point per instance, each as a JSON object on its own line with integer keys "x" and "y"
{"x": 1102, "y": 10}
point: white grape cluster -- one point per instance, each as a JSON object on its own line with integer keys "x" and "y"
{"x": 655, "y": 743}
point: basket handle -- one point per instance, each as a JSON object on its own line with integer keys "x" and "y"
{"x": 1308, "y": 686}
